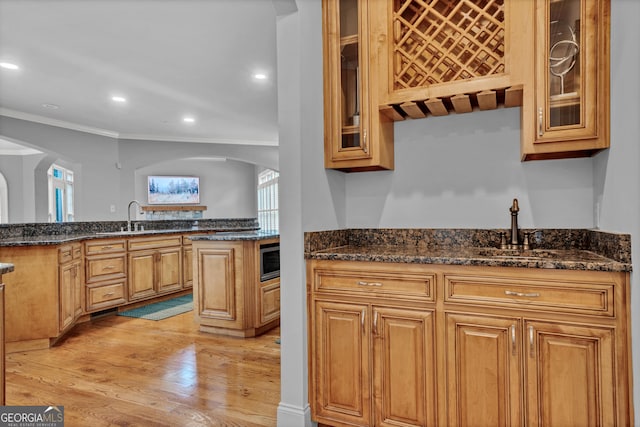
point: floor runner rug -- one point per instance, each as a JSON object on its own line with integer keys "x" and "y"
{"x": 161, "y": 310}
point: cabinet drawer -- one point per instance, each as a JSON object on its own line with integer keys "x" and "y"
{"x": 96, "y": 247}
{"x": 154, "y": 242}
{"x": 68, "y": 253}
{"x": 380, "y": 283}
{"x": 105, "y": 295}
{"x": 104, "y": 268}
{"x": 582, "y": 297}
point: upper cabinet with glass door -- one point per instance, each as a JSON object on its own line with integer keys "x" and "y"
{"x": 567, "y": 115}
{"x": 356, "y": 137}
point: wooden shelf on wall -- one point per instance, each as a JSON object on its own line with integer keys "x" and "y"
{"x": 174, "y": 208}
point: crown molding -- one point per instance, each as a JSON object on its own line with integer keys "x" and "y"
{"x": 142, "y": 137}
{"x": 57, "y": 123}
{"x": 265, "y": 143}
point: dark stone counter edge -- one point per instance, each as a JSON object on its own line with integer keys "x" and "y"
{"x": 615, "y": 247}
{"x": 231, "y": 235}
{"x": 5, "y": 267}
{"x": 62, "y": 239}
{"x": 611, "y": 266}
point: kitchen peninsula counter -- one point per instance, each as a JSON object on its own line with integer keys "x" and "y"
{"x": 66, "y": 273}
{"x": 62, "y": 233}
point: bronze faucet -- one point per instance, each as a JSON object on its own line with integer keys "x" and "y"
{"x": 514, "y": 242}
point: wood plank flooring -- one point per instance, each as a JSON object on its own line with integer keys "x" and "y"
{"x": 120, "y": 371}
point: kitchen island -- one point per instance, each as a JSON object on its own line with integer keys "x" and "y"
{"x": 67, "y": 273}
{"x": 445, "y": 327}
{"x": 234, "y": 293}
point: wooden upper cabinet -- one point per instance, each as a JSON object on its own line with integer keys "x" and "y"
{"x": 448, "y": 55}
{"x": 357, "y": 137}
{"x": 566, "y": 107}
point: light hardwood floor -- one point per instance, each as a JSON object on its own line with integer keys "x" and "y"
{"x": 120, "y": 371}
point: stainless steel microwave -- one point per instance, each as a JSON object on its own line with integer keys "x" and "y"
{"x": 269, "y": 261}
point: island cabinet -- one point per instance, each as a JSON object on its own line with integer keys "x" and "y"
{"x": 356, "y": 136}
{"x": 155, "y": 266}
{"x": 105, "y": 273}
{"x": 431, "y": 345}
{"x": 71, "y": 284}
{"x": 566, "y": 104}
{"x": 228, "y": 296}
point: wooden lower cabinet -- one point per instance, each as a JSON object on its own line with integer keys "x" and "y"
{"x": 71, "y": 293}
{"x": 341, "y": 372}
{"x": 571, "y": 375}
{"x": 486, "y": 346}
{"x": 228, "y": 296}
{"x": 403, "y": 371}
{"x": 154, "y": 266}
{"x": 187, "y": 263}
{"x": 483, "y": 358}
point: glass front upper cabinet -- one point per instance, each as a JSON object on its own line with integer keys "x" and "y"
{"x": 566, "y": 55}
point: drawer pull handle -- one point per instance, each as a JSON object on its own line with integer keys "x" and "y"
{"x": 108, "y": 294}
{"x": 362, "y": 283}
{"x": 532, "y": 352}
{"x": 107, "y": 247}
{"x": 513, "y": 340}
{"x": 108, "y": 267}
{"x": 522, "y": 294}
{"x": 362, "y": 319}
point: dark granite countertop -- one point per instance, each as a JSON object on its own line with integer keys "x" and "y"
{"x": 237, "y": 235}
{"x": 552, "y": 249}
{"x": 56, "y": 234}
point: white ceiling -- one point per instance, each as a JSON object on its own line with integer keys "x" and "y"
{"x": 169, "y": 58}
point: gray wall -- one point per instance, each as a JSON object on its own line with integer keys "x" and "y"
{"x": 454, "y": 171}
{"x": 106, "y": 169}
{"x": 227, "y": 189}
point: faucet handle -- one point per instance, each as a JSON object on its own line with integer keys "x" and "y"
{"x": 503, "y": 240}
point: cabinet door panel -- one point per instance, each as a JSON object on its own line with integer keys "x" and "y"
{"x": 483, "y": 370}
{"x": 68, "y": 279}
{"x": 187, "y": 266}
{"x": 404, "y": 377}
{"x": 169, "y": 263}
{"x": 341, "y": 363}
{"x": 570, "y": 375}
{"x": 141, "y": 274}
{"x": 216, "y": 297}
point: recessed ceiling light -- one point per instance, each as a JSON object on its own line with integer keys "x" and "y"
{"x": 118, "y": 99}
{"x": 9, "y": 66}
{"x": 51, "y": 106}
{"x": 260, "y": 76}
{"x": 188, "y": 119}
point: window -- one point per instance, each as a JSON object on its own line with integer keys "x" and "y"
{"x": 268, "y": 200}
{"x": 60, "y": 194}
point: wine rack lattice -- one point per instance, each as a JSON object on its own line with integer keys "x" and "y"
{"x": 437, "y": 41}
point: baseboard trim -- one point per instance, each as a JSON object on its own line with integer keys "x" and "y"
{"x": 294, "y": 416}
